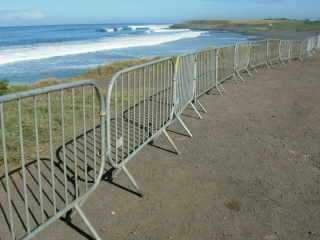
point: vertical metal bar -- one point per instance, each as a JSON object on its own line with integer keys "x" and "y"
{"x": 153, "y": 71}
{"x": 23, "y": 165}
{"x": 134, "y": 110}
{"x": 167, "y": 89}
{"x": 85, "y": 137}
{"x": 122, "y": 118}
{"x": 116, "y": 120}
{"x": 161, "y": 95}
{"x": 6, "y": 170}
{"x": 144, "y": 104}
{"x": 51, "y": 154}
{"x": 36, "y": 132}
{"x": 64, "y": 147}
{"x": 75, "y": 158}
{"x": 94, "y": 133}
{"x": 217, "y": 68}
{"x": 129, "y": 117}
{"x": 139, "y": 106}
{"x": 149, "y": 101}
{"x": 157, "y": 96}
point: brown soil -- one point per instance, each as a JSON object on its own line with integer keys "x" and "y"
{"x": 251, "y": 171}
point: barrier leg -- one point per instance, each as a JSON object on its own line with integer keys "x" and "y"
{"x": 254, "y": 69}
{"x": 86, "y": 221}
{"x": 130, "y": 177}
{"x": 234, "y": 77}
{"x": 184, "y": 126}
{"x": 249, "y": 73}
{"x": 222, "y": 87}
{"x": 202, "y": 107}
{"x": 219, "y": 91}
{"x": 239, "y": 76}
{"x": 196, "y": 110}
{"x": 268, "y": 65}
{"x": 171, "y": 141}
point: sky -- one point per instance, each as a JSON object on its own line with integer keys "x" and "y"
{"x": 41, "y": 12}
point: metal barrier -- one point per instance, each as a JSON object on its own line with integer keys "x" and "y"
{"x": 226, "y": 63}
{"x": 296, "y": 49}
{"x": 55, "y": 140}
{"x": 52, "y": 156}
{"x": 140, "y": 106}
{"x": 206, "y": 74}
{"x": 314, "y": 41}
{"x": 242, "y": 59}
{"x": 273, "y": 51}
{"x": 285, "y": 46}
{"x": 318, "y": 42}
{"x": 304, "y": 50}
{"x": 258, "y": 54}
{"x": 311, "y": 46}
{"x": 185, "y": 85}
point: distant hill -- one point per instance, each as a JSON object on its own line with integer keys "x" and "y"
{"x": 252, "y": 26}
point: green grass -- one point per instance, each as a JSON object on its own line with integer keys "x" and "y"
{"x": 266, "y": 25}
{"x": 102, "y": 74}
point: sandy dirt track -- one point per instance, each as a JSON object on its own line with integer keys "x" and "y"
{"x": 252, "y": 170}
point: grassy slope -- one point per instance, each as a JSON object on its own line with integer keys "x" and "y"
{"x": 102, "y": 73}
{"x": 252, "y": 26}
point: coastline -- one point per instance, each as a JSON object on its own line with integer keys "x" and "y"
{"x": 267, "y": 28}
{"x": 104, "y": 72}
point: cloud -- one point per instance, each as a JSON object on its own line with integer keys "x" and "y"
{"x": 9, "y": 15}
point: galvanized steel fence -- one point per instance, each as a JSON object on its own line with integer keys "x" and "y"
{"x": 285, "y": 46}
{"x": 52, "y": 155}
{"x": 273, "y": 51}
{"x": 259, "y": 54}
{"x": 242, "y": 59}
{"x": 226, "y": 64}
{"x": 55, "y": 141}
{"x": 140, "y": 106}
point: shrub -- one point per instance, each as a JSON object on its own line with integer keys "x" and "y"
{"x": 4, "y": 86}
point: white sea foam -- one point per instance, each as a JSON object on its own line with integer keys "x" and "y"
{"x": 109, "y": 29}
{"x": 153, "y": 28}
{"x": 43, "y": 51}
{"x": 170, "y": 30}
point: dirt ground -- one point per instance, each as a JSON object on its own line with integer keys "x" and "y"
{"x": 251, "y": 171}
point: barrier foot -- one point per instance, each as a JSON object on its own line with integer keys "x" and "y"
{"x": 132, "y": 180}
{"x": 86, "y": 221}
{"x": 171, "y": 141}
{"x": 222, "y": 87}
{"x": 268, "y": 65}
{"x": 234, "y": 77}
{"x": 202, "y": 107}
{"x": 240, "y": 77}
{"x": 196, "y": 110}
{"x": 219, "y": 91}
{"x": 184, "y": 126}
{"x": 249, "y": 73}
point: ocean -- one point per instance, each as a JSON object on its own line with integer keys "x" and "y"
{"x": 29, "y": 54}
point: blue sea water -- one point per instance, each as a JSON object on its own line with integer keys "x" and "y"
{"x": 28, "y": 54}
